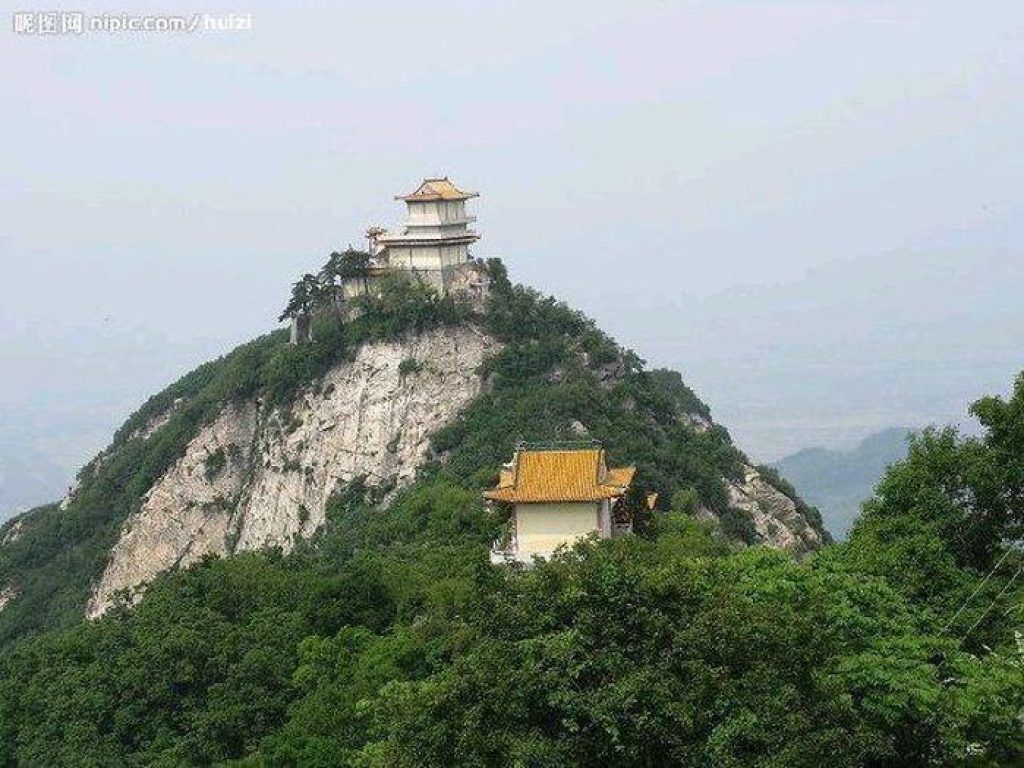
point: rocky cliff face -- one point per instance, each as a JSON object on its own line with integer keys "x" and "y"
{"x": 258, "y": 477}
{"x": 775, "y": 516}
{"x": 7, "y": 594}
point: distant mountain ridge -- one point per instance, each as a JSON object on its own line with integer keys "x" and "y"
{"x": 837, "y": 481}
{"x": 27, "y": 478}
{"x": 42, "y": 447}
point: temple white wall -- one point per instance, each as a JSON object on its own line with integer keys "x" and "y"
{"x": 427, "y": 257}
{"x": 604, "y": 519}
{"x": 542, "y": 528}
{"x": 436, "y": 212}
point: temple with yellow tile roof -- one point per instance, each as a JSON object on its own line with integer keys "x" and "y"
{"x": 557, "y": 496}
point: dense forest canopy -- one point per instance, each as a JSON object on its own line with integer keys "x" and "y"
{"x": 389, "y": 640}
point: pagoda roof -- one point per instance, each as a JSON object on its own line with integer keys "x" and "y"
{"x": 437, "y": 189}
{"x": 538, "y": 476}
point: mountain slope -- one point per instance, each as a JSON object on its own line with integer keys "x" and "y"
{"x": 253, "y": 479}
{"x": 249, "y": 450}
{"x": 836, "y": 482}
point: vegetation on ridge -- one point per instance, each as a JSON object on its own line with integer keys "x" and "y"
{"x": 556, "y": 375}
{"x": 323, "y": 290}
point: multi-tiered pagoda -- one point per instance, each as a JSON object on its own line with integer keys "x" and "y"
{"x": 435, "y": 236}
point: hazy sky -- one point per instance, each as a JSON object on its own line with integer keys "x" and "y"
{"x": 812, "y": 209}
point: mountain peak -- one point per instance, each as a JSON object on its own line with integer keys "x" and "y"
{"x": 252, "y": 450}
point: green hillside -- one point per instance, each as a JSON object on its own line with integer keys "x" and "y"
{"x": 389, "y": 640}
{"x": 556, "y": 368}
{"x": 836, "y": 482}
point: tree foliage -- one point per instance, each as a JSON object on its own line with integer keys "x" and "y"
{"x": 307, "y": 294}
{"x": 322, "y": 291}
{"x": 390, "y": 640}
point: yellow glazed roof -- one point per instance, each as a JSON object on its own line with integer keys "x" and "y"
{"x": 621, "y": 477}
{"x": 570, "y": 475}
{"x": 437, "y": 189}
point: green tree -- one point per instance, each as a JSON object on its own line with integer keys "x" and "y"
{"x": 969, "y": 490}
{"x": 307, "y": 294}
{"x": 340, "y": 267}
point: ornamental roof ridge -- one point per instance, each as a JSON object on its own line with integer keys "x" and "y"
{"x": 436, "y": 188}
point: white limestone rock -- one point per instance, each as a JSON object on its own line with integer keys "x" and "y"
{"x": 777, "y": 520}
{"x": 185, "y": 515}
{"x": 365, "y": 418}
{"x": 697, "y": 422}
{"x": 368, "y": 420}
{"x": 7, "y": 594}
{"x": 13, "y": 533}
